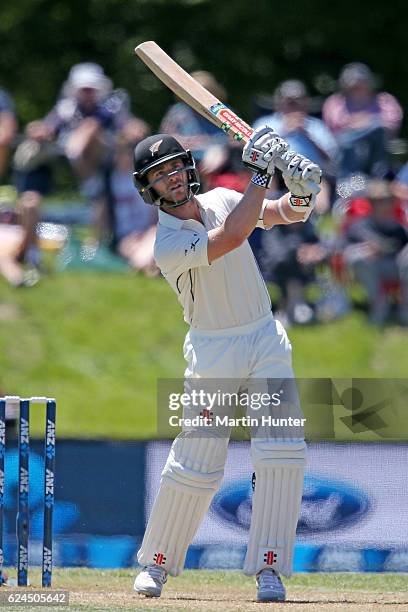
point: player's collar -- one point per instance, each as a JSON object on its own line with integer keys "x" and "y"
{"x": 170, "y": 220}
{"x": 175, "y": 223}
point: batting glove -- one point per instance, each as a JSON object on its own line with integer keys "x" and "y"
{"x": 260, "y": 154}
{"x": 302, "y": 178}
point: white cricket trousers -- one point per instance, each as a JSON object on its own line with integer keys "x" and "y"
{"x": 248, "y": 357}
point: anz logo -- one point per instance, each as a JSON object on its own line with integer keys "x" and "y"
{"x": 47, "y": 559}
{"x": 23, "y": 565}
{"x": 327, "y": 504}
{"x": 66, "y": 513}
{"x": 50, "y": 433}
{"x": 25, "y": 428}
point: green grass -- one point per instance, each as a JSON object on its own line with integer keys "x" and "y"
{"x": 99, "y": 342}
{"x": 213, "y": 591}
{"x": 79, "y": 577}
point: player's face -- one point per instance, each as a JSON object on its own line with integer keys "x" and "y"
{"x": 170, "y": 180}
{"x": 88, "y": 98}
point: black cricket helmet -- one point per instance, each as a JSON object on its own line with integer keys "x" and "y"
{"x": 156, "y": 150}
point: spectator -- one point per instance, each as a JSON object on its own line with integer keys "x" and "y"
{"x": 193, "y": 131}
{"x": 8, "y": 129}
{"x": 288, "y": 256}
{"x": 134, "y": 222}
{"x": 84, "y": 124}
{"x": 377, "y": 252}
{"x": 222, "y": 166}
{"x": 11, "y": 239}
{"x": 306, "y": 134}
{"x": 12, "y": 236}
{"x": 362, "y": 120}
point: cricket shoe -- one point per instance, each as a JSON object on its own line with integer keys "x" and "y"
{"x": 270, "y": 587}
{"x": 150, "y": 581}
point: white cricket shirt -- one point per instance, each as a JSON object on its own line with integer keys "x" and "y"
{"x": 230, "y": 291}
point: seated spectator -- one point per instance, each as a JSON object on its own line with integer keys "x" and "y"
{"x": 288, "y": 257}
{"x": 8, "y": 129}
{"x": 193, "y": 131}
{"x": 222, "y": 166}
{"x": 133, "y": 221}
{"x": 84, "y": 124}
{"x": 376, "y": 250}
{"x": 306, "y": 134}
{"x": 12, "y": 238}
{"x": 362, "y": 120}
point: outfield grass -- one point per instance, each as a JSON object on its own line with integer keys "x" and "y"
{"x": 212, "y": 591}
{"x": 99, "y": 342}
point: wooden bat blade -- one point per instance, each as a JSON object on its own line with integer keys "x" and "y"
{"x": 196, "y": 96}
{"x": 191, "y": 92}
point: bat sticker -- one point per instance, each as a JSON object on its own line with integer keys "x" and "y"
{"x": 231, "y": 121}
{"x": 216, "y": 107}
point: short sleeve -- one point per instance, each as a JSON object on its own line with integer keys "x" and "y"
{"x": 182, "y": 251}
{"x": 229, "y": 198}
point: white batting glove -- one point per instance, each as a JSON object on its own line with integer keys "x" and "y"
{"x": 260, "y": 154}
{"x": 302, "y": 178}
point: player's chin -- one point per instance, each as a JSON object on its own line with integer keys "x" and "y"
{"x": 178, "y": 195}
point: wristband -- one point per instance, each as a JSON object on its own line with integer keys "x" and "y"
{"x": 261, "y": 180}
{"x": 299, "y": 202}
{"x": 282, "y": 213}
{"x": 302, "y": 204}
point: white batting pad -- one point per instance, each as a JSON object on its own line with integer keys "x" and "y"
{"x": 192, "y": 475}
{"x": 174, "y": 520}
{"x": 275, "y": 506}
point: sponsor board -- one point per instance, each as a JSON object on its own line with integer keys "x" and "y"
{"x": 104, "y": 490}
{"x": 352, "y": 493}
{"x": 99, "y": 503}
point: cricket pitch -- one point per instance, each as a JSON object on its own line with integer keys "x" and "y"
{"x": 222, "y": 591}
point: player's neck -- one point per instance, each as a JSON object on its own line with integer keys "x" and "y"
{"x": 189, "y": 210}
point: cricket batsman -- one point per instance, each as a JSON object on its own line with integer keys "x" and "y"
{"x": 202, "y": 251}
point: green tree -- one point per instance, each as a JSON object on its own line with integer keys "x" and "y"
{"x": 249, "y": 46}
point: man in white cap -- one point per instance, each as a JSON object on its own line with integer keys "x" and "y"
{"x": 363, "y": 120}
{"x": 85, "y": 123}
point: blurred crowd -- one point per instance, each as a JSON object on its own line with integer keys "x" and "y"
{"x": 357, "y": 241}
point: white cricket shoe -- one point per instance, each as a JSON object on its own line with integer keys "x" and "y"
{"x": 150, "y": 581}
{"x": 270, "y": 587}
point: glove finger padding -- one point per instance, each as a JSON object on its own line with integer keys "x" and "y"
{"x": 278, "y": 147}
{"x": 262, "y": 149}
{"x": 302, "y": 176}
{"x": 264, "y": 142}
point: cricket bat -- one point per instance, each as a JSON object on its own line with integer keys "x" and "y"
{"x": 194, "y": 94}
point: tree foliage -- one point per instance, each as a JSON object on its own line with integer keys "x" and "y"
{"x": 249, "y": 46}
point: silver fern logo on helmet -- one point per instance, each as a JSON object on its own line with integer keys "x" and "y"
{"x": 155, "y": 147}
